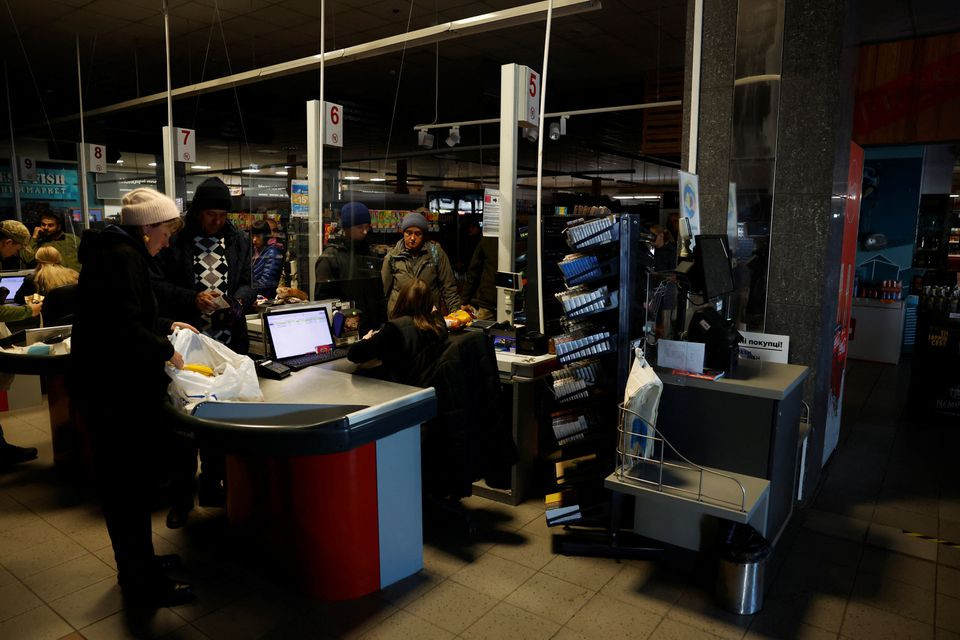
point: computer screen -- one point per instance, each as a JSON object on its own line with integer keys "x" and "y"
{"x": 713, "y": 257}
{"x": 295, "y": 333}
{"x": 13, "y": 284}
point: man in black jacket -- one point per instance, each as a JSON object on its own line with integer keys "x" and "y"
{"x": 347, "y": 256}
{"x": 203, "y": 278}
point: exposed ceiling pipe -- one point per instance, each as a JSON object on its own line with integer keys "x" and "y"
{"x": 515, "y": 16}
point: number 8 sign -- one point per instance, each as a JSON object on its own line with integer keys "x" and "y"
{"x": 97, "y": 157}
{"x": 333, "y": 124}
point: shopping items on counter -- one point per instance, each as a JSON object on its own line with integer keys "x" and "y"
{"x": 641, "y": 399}
{"x": 458, "y": 319}
{"x": 231, "y": 376}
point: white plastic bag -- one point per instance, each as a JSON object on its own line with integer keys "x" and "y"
{"x": 642, "y": 398}
{"x": 235, "y": 375}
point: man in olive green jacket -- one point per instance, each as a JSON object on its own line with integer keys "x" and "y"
{"x": 50, "y": 232}
{"x": 415, "y": 257}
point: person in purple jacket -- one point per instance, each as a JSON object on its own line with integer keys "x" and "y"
{"x": 267, "y": 264}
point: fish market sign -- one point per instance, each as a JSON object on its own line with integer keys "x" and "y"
{"x": 49, "y": 184}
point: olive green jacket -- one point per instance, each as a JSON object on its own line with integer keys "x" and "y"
{"x": 430, "y": 264}
{"x": 10, "y": 313}
{"x": 67, "y": 244}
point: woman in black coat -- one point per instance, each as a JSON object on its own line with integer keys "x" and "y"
{"x": 117, "y": 379}
{"x": 410, "y": 343}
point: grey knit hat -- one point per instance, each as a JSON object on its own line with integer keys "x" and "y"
{"x": 145, "y": 206}
{"x": 413, "y": 219}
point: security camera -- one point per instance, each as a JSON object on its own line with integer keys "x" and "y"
{"x": 554, "y": 131}
{"x": 453, "y": 138}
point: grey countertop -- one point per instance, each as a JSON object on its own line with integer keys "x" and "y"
{"x": 770, "y": 380}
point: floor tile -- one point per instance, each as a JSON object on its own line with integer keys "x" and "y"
{"x": 43, "y": 556}
{"x": 604, "y": 618}
{"x": 19, "y": 538}
{"x": 493, "y": 576}
{"x": 833, "y": 524}
{"x": 644, "y": 585}
{"x": 533, "y": 552}
{"x": 948, "y": 581}
{"x": 894, "y": 539}
{"x": 887, "y": 565}
{"x": 40, "y": 623}
{"x": 508, "y": 621}
{"x": 15, "y": 599}
{"x": 591, "y": 573}
{"x": 673, "y": 630}
{"x": 442, "y": 562}
{"x": 698, "y": 609}
{"x": 948, "y": 613}
{"x": 68, "y": 577}
{"x": 914, "y": 503}
{"x": 452, "y": 606}
{"x": 6, "y": 577}
{"x": 250, "y": 617}
{"x": 16, "y": 516}
{"x": 352, "y": 618}
{"x": 810, "y": 607}
{"x": 538, "y": 527}
{"x": 91, "y": 538}
{"x": 139, "y": 625}
{"x": 550, "y": 598}
{"x": 90, "y": 604}
{"x": 863, "y": 622}
{"x": 950, "y": 508}
{"x": 406, "y": 626}
{"x": 906, "y": 520}
{"x": 896, "y": 597}
{"x": 402, "y": 593}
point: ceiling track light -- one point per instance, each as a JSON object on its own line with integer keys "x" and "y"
{"x": 453, "y": 139}
{"x": 425, "y": 138}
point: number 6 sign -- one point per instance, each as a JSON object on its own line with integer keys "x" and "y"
{"x": 97, "y": 156}
{"x": 333, "y": 124}
{"x": 186, "y": 144}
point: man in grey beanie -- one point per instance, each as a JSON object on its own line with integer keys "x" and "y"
{"x": 416, "y": 258}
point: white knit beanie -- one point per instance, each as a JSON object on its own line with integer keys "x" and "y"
{"x": 144, "y": 206}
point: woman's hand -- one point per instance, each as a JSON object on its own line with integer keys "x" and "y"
{"x": 177, "y": 360}
{"x": 370, "y": 334}
{"x": 182, "y": 325}
{"x": 35, "y": 308}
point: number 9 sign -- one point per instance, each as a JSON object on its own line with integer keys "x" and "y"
{"x": 333, "y": 124}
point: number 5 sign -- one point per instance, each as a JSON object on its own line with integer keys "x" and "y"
{"x": 186, "y": 141}
{"x": 528, "y": 97}
{"x": 333, "y": 124}
{"x": 97, "y": 156}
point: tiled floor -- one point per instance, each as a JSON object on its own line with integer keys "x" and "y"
{"x": 844, "y": 567}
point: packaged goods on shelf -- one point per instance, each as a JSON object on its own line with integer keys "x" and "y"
{"x": 582, "y": 234}
{"x": 583, "y": 300}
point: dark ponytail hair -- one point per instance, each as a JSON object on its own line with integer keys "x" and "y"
{"x": 416, "y": 300}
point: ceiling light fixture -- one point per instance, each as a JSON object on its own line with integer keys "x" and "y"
{"x": 119, "y": 161}
{"x": 200, "y": 166}
{"x": 280, "y": 173}
{"x": 378, "y": 179}
{"x": 554, "y": 131}
{"x": 351, "y": 177}
{"x": 425, "y": 138}
{"x": 151, "y": 164}
{"x": 453, "y": 138}
{"x": 531, "y": 134}
{"x": 253, "y": 169}
{"x": 638, "y": 197}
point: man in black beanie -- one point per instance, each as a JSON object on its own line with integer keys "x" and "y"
{"x": 203, "y": 278}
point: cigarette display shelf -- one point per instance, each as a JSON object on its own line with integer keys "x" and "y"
{"x": 594, "y": 269}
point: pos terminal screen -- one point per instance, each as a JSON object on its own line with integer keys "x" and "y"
{"x": 299, "y": 332}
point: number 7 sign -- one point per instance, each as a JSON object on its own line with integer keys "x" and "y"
{"x": 186, "y": 142}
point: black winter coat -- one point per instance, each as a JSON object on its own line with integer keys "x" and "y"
{"x": 176, "y": 285}
{"x": 119, "y": 342}
{"x": 342, "y": 260}
{"x": 409, "y": 355}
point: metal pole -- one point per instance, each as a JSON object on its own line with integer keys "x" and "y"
{"x": 322, "y": 135}
{"x": 695, "y": 85}
{"x": 169, "y": 174}
{"x": 14, "y": 167}
{"x": 82, "y": 151}
{"x": 538, "y": 215}
{"x": 314, "y": 180}
{"x": 508, "y": 183}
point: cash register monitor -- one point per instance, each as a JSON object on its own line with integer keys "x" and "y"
{"x": 297, "y": 335}
{"x": 713, "y": 273}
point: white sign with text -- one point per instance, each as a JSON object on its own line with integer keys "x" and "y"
{"x": 186, "y": 141}
{"x": 28, "y": 169}
{"x": 97, "y": 157}
{"x": 333, "y": 124}
{"x": 768, "y": 347}
{"x": 528, "y": 98}
{"x": 686, "y": 356}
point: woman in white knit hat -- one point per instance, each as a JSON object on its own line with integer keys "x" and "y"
{"x": 119, "y": 347}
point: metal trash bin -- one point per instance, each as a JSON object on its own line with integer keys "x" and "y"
{"x": 743, "y": 554}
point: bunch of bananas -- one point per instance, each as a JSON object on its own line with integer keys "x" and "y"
{"x": 199, "y": 368}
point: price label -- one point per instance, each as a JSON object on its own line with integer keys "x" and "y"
{"x": 28, "y": 169}
{"x": 97, "y": 157}
{"x": 333, "y": 124}
{"x": 186, "y": 141}
{"x": 528, "y": 97}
